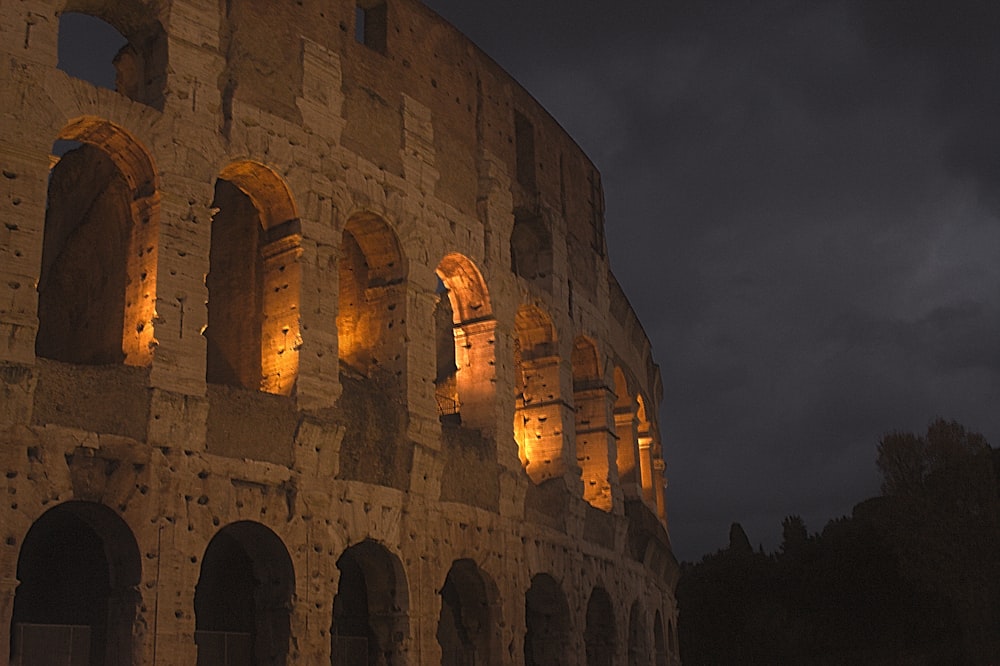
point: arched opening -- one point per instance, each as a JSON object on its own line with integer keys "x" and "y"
{"x": 646, "y": 452}
{"x": 638, "y": 652}
{"x": 77, "y": 599}
{"x": 372, "y": 303}
{"x": 254, "y": 282}
{"x": 466, "y": 332}
{"x": 243, "y": 599}
{"x": 120, "y": 46}
{"x": 467, "y": 626}
{"x": 546, "y": 617}
{"x": 531, "y": 249}
{"x": 370, "y": 623}
{"x": 627, "y": 445}
{"x": 595, "y": 436}
{"x": 675, "y": 650}
{"x": 659, "y": 644}
{"x": 538, "y": 406}
{"x": 599, "y": 636}
{"x": 97, "y": 288}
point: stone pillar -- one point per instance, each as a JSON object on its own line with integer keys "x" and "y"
{"x": 475, "y": 356}
{"x": 540, "y": 421}
{"x": 23, "y": 196}
{"x": 280, "y": 335}
{"x": 595, "y": 445}
{"x": 628, "y": 453}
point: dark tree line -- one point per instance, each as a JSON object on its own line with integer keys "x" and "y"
{"x": 910, "y": 577}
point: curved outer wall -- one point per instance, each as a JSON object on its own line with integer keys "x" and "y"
{"x": 376, "y": 176}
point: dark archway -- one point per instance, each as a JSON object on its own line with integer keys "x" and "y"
{"x": 469, "y": 617}
{"x": 599, "y": 636}
{"x": 370, "y": 622}
{"x": 638, "y": 651}
{"x": 77, "y": 598}
{"x": 546, "y": 618}
{"x": 659, "y": 644}
{"x": 243, "y": 600}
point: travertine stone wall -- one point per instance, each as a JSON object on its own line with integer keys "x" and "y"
{"x": 219, "y": 357}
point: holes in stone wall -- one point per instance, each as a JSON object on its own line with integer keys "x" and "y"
{"x": 465, "y": 337}
{"x": 537, "y": 415}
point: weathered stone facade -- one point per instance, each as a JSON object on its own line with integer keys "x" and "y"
{"x": 309, "y": 345}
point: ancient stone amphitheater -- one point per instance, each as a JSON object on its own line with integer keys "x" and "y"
{"x": 310, "y": 354}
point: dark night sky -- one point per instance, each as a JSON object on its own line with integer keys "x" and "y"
{"x": 803, "y": 205}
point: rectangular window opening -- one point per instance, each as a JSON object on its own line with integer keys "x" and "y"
{"x": 370, "y": 25}
{"x": 524, "y": 142}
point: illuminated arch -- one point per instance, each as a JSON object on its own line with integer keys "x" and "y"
{"x": 254, "y": 281}
{"x": 464, "y": 382}
{"x": 538, "y": 425}
{"x": 595, "y": 438}
{"x": 370, "y": 317}
{"x": 97, "y": 288}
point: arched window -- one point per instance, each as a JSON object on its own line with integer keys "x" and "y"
{"x": 594, "y": 425}
{"x": 600, "y": 634}
{"x": 242, "y": 602}
{"x": 371, "y": 315}
{"x": 254, "y": 282}
{"x": 76, "y": 601}
{"x": 370, "y": 622}
{"x": 627, "y": 428}
{"x": 546, "y": 618}
{"x": 470, "y": 617}
{"x": 121, "y": 46}
{"x": 538, "y": 406}
{"x": 97, "y": 288}
{"x": 466, "y": 351}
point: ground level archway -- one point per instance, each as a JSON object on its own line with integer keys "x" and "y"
{"x": 77, "y": 598}
{"x": 242, "y": 603}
